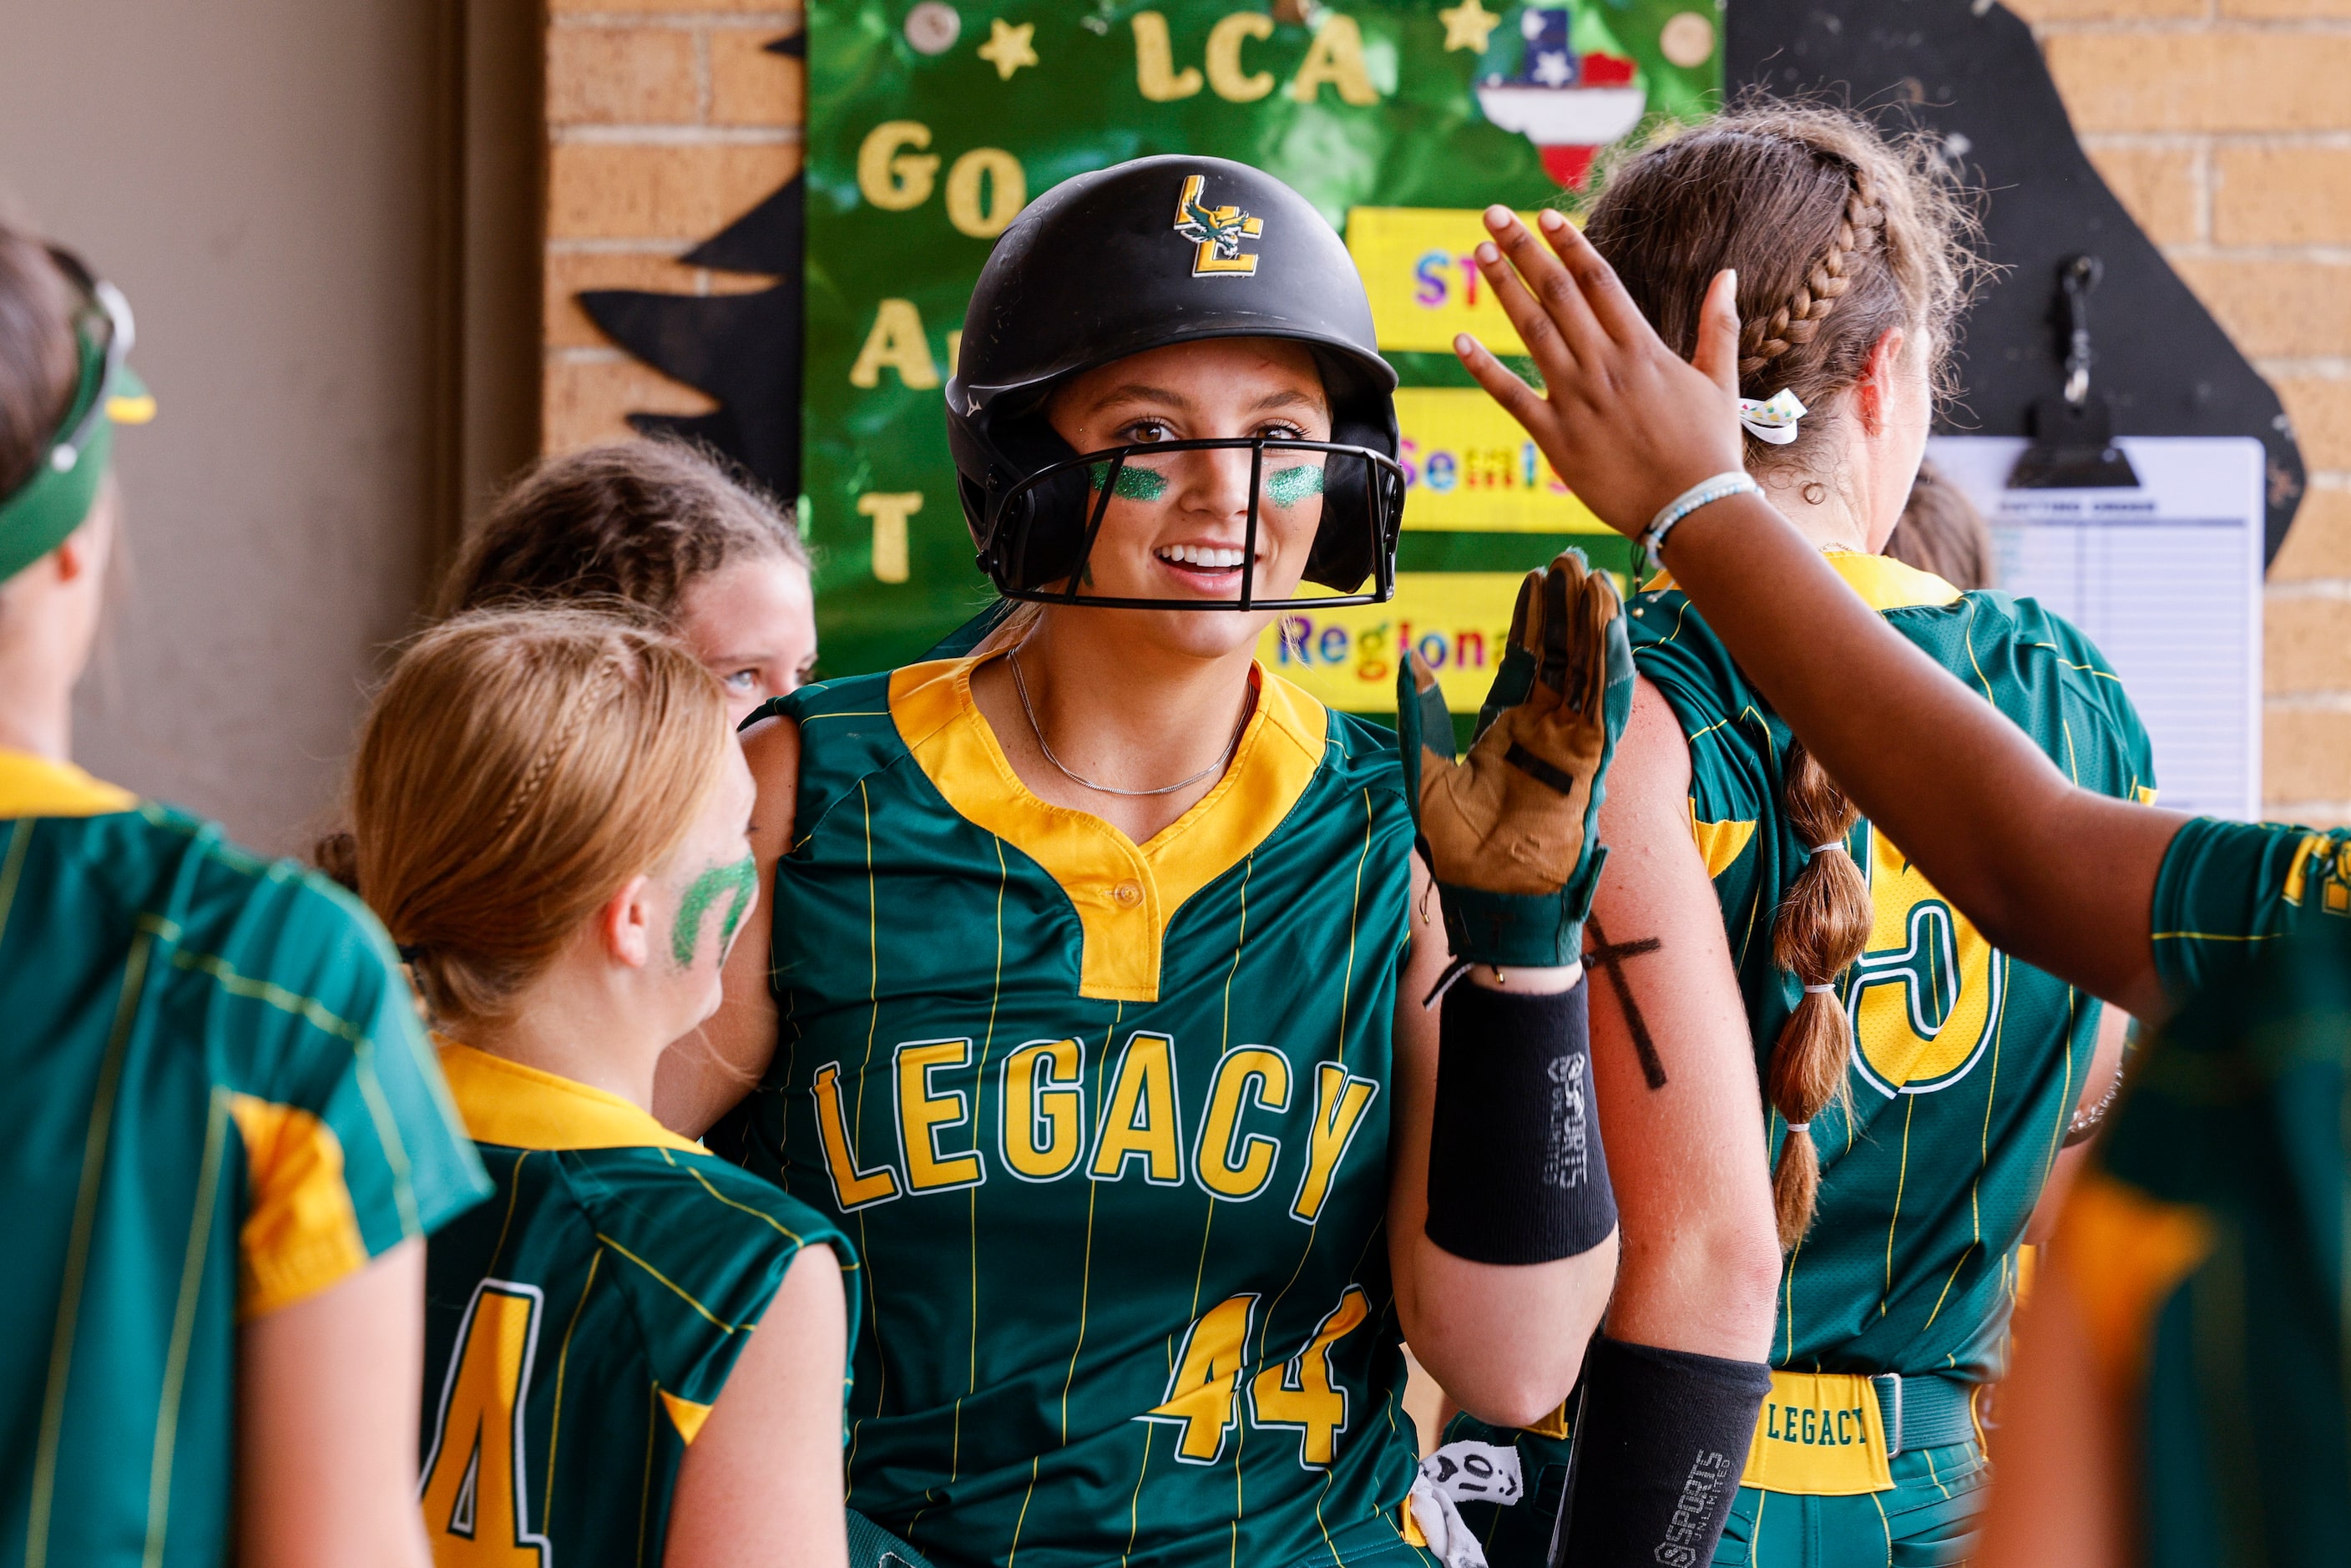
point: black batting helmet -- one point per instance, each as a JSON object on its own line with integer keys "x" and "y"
{"x": 1141, "y": 256}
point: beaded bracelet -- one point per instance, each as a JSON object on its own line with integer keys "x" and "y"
{"x": 1706, "y": 492}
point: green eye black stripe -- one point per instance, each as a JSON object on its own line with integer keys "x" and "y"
{"x": 1288, "y": 486}
{"x": 1134, "y": 483}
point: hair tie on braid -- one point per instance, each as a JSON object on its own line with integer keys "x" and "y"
{"x": 1820, "y": 932}
{"x": 1795, "y": 1127}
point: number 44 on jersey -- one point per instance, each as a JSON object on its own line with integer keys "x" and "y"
{"x": 1204, "y": 1392}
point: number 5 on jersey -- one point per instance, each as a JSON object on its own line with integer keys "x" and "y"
{"x": 476, "y": 1512}
{"x": 1204, "y": 1392}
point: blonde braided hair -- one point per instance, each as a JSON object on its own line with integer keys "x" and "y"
{"x": 572, "y": 719}
{"x": 518, "y": 768}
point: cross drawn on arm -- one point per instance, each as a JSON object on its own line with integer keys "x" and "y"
{"x": 1611, "y": 959}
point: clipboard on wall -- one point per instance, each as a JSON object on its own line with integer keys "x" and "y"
{"x": 2165, "y": 576}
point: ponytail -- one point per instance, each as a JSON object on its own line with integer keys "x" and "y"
{"x": 1821, "y": 931}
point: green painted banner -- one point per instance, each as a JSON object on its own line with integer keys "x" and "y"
{"x": 931, "y": 124}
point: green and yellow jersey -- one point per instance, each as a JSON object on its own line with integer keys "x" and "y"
{"x": 2205, "y": 1246}
{"x": 2227, "y": 890}
{"x": 1967, "y": 1065}
{"x": 579, "y": 1325}
{"x": 220, "y": 1103}
{"x": 1109, "y": 1125}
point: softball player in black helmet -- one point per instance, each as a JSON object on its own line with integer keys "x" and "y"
{"x": 1096, "y": 1000}
{"x": 1105, "y": 266}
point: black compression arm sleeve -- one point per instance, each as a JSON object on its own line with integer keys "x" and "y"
{"x": 1515, "y": 1169}
{"x": 1660, "y": 1441}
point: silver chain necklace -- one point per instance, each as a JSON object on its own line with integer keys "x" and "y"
{"x": 1021, "y": 686}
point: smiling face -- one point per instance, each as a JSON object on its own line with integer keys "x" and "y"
{"x": 1176, "y": 525}
{"x": 752, "y": 623}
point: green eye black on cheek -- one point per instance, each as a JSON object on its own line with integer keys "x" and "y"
{"x": 1134, "y": 483}
{"x": 1288, "y": 486}
{"x": 741, "y": 880}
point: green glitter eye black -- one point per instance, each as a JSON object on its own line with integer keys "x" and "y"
{"x": 1134, "y": 483}
{"x": 1288, "y": 486}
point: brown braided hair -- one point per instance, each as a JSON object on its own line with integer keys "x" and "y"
{"x": 639, "y": 520}
{"x": 1798, "y": 319}
{"x": 1839, "y": 234}
{"x": 1822, "y": 929}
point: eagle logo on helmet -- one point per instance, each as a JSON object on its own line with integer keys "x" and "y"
{"x": 1215, "y": 233}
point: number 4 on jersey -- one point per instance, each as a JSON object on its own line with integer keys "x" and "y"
{"x": 1296, "y": 1394}
{"x": 473, "y": 1491}
{"x": 1299, "y": 1394}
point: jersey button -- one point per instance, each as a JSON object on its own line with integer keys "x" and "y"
{"x": 1128, "y": 893}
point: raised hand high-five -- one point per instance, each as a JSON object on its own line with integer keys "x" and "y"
{"x": 2057, "y": 877}
{"x": 1628, "y": 424}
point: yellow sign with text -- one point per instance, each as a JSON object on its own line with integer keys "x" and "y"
{"x": 1469, "y": 467}
{"x": 1460, "y": 620}
{"x": 1420, "y": 268}
{"x": 1820, "y": 1434}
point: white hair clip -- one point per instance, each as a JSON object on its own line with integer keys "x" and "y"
{"x": 1772, "y": 420}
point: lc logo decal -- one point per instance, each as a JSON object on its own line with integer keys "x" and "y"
{"x": 1215, "y": 233}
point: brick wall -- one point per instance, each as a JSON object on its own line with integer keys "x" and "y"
{"x": 667, "y": 119}
{"x": 2224, "y": 126}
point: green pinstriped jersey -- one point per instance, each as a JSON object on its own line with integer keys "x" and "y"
{"x": 1109, "y": 1127}
{"x": 2227, "y": 890}
{"x": 1966, "y": 1065}
{"x": 219, "y": 1104}
{"x": 2206, "y": 1247}
{"x": 579, "y": 1325}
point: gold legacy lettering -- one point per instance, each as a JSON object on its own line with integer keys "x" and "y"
{"x": 1246, "y": 1129}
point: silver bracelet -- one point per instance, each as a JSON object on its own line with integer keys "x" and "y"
{"x": 1706, "y": 492}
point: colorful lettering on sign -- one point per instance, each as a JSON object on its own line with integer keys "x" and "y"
{"x": 1469, "y": 467}
{"x": 1419, "y": 266}
{"x": 1303, "y": 645}
{"x": 1458, "y": 622}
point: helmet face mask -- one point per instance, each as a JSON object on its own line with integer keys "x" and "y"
{"x": 1148, "y": 256}
{"x": 1039, "y": 535}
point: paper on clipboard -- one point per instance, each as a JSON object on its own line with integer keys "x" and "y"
{"x": 2165, "y": 579}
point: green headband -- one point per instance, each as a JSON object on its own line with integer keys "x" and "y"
{"x": 54, "y": 502}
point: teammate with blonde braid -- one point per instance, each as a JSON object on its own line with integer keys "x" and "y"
{"x": 633, "y": 1352}
{"x": 1916, "y": 1083}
